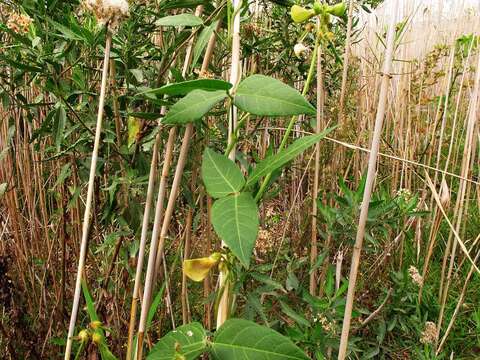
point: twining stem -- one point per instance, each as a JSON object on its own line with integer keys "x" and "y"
{"x": 371, "y": 174}
{"x": 306, "y": 87}
{"x": 88, "y": 204}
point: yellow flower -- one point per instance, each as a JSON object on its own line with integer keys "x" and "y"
{"x": 198, "y": 269}
{"x": 300, "y": 14}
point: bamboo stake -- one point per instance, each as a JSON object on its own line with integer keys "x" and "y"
{"x": 316, "y": 174}
{"x": 88, "y": 204}
{"x": 346, "y": 59}
{"x": 143, "y": 243}
{"x": 371, "y": 172}
{"x": 154, "y": 241}
{"x": 224, "y": 303}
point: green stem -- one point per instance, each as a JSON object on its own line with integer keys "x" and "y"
{"x": 234, "y": 135}
{"x": 306, "y": 87}
{"x": 80, "y": 350}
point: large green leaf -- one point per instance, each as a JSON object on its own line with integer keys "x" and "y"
{"x": 276, "y": 161}
{"x": 244, "y": 340}
{"x": 202, "y": 41}
{"x": 188, "y": 341}
{"x": 184, "y": 87}
{"x": 220, "y": 174}
{"x": 263, "y": 95}
{"x": 235, "y": 220}
{"x": 180, "y": 20}
{"x": 193, "y": 106}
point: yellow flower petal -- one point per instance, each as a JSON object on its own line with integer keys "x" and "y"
{"x": 300, "y": 14}
{"x": 198, "y": 269}
{"x": 337, "y": 9}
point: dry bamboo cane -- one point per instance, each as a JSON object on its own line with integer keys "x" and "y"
{"x": 467, "y": 156}
{"x": 371, "y": 172}
{"x": 155, "y": 266}
{"x": 154, "y": 242}
{"x": 224, "y": 303}
{"x": 158, "y": 217}
{"x": 346, "y": 59}
{"x": 88, "y": 204}
{"x": 316, "y": 174}
{"x": 143, "y": 243}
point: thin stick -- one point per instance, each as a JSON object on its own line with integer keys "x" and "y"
{"x": 224, "y": 303}
{"x": 88, "y": 205}
{"x": 143, "y": 243}
{"x": 371, "y": 173}
{"x": 346, "y": 58}
{"x": 316, "y": 174}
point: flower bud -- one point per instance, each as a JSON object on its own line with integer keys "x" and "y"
{"x": 337, "y": 10}
{"x": 300, "y": 14}
{"x": 96, "y": 324}
{"x": 444, "y": 195}
{"x": 97, "y": 338}
{"x": 83, "y": 336}
{"x": 318, "y": 8}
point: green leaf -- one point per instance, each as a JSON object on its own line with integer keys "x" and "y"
{"x": 92, "y": 313}
{"x": 133, "y": 125}
{"x": 244, "y": 340}
{"x": 184, "y": 87}
{"x": 179, "y": 20}
{"x": 68, "y": 32}
{"x": 263, "y": 95}
{"x": 188, "y": 340}
{"x": 193, "y": 106}
{"x": 202, "y": 41}
{"x": 274, "y": 162}
{"x": 105, "y": 352}
{"x": 299, "y": 319}
{"x": 220, "y": 174}
{"x": 235, "y": 220}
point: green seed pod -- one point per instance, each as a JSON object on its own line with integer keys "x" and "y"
{"x": 337, "y": 10}
{"x": 300, "y": 14}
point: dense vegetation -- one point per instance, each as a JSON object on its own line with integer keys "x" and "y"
{"x": 183, "y": 179}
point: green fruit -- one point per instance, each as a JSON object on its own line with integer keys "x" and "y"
{"x": 300, "y": 14}
{"x": 337, "y": 9}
